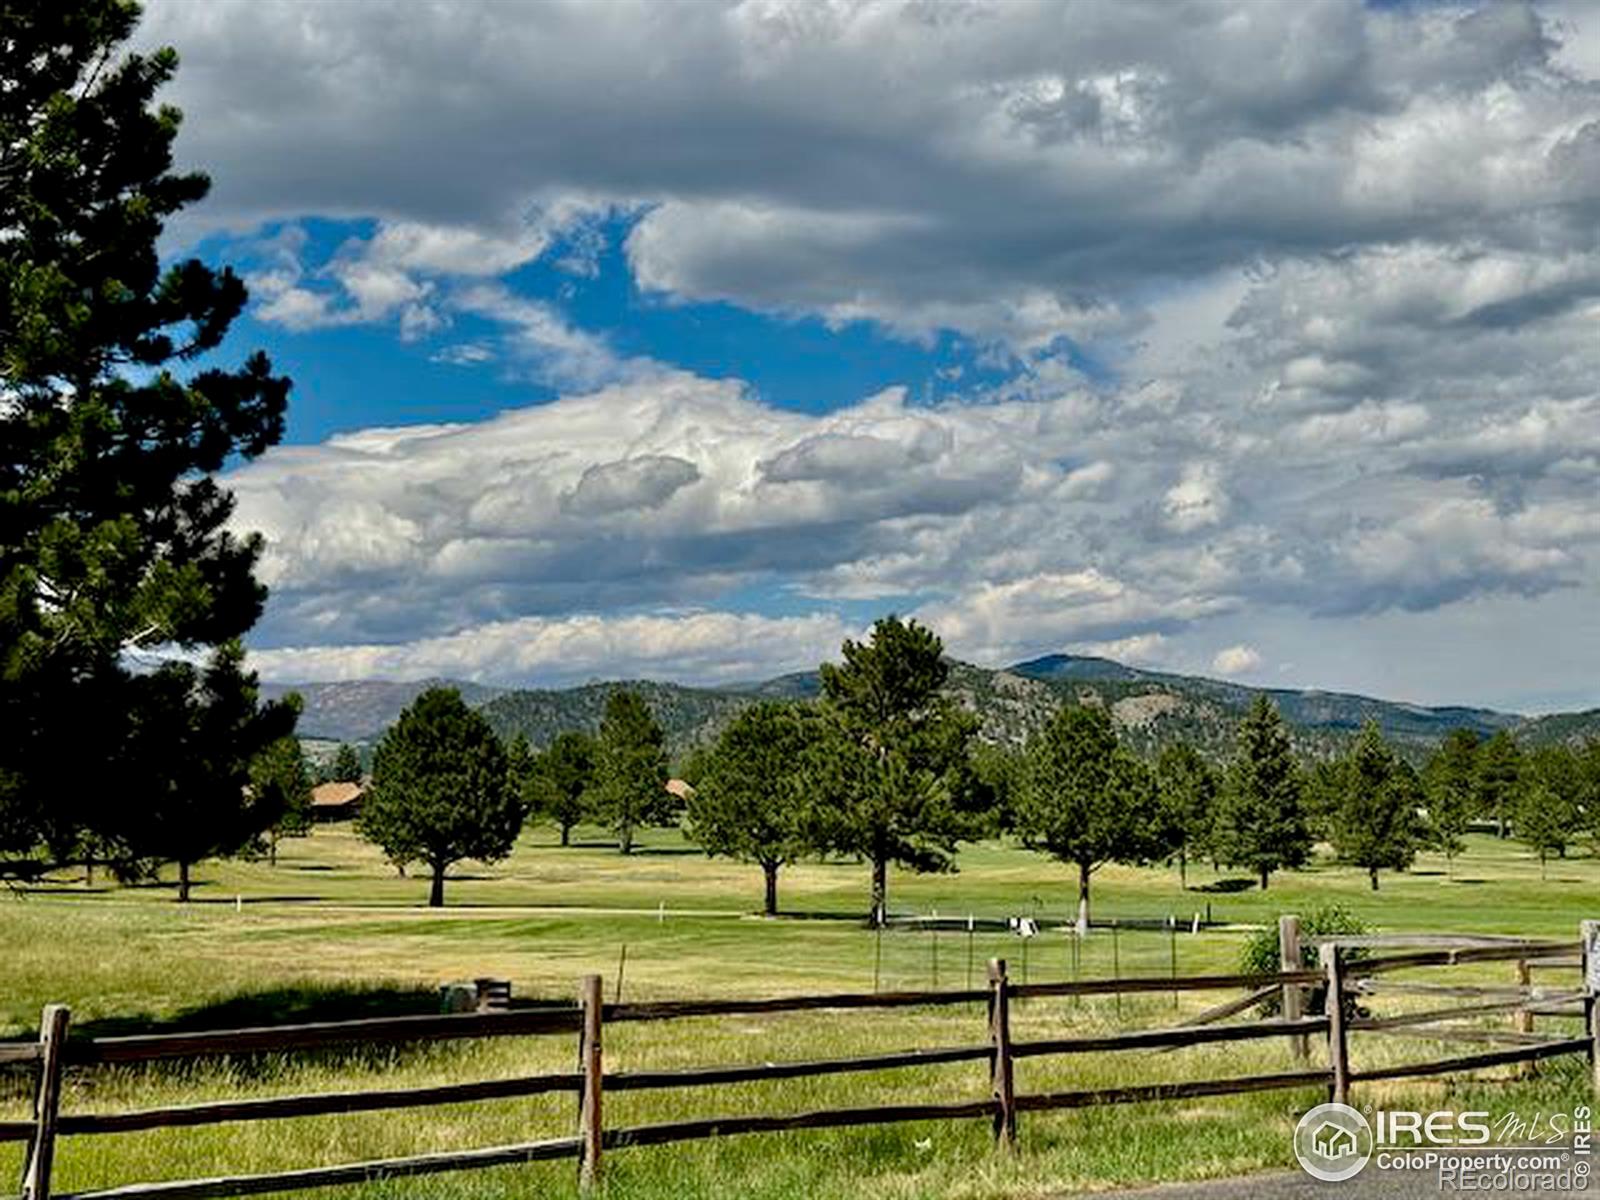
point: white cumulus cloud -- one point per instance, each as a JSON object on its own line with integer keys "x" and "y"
{"x": 1236, "y": 660}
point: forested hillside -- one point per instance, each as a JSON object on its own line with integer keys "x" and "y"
{"x": 1153, "y": 709}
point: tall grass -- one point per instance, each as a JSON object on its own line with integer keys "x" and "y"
{"x": 332, "y": 932}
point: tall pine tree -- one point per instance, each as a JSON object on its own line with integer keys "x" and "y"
{"x": 280, "y": 778}
{"x": 113, "y": 529}
{"x": 346, "y": 767}
{"x": 893, "y": 779}
{"x": 1499, "y": 762}
{"x": 558, "y": 783}
{"x": 630, "y": 777}
{"x": 1187, "y": 785}
{"x": 186, "y": 795}
{"x": 1450, "y": 785}
{"x": 1373, "y": 822}
{"x": 1087, "y": 800}
{"x": 1260, "y": 822}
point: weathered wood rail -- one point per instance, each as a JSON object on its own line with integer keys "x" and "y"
{"x": 1366, "y": 976}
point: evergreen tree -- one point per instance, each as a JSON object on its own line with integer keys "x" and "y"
{"x": 440, "y": 791}
{"x": 1450, "y": 784}
{"x": 346, "y": 765}
{"x": 630, "y": 777}
{"x": 558, "y": 784}
{"x": 1499, "y": 774}
{"x": 893, "y": 778}
{"x": 187, "y": 759}
{"x": 1588, "y": 756}
{"x": 999, "y": 772}
{"x": 1546, "y": 810}
{"x": 113, "y": 530}
{"x": 1322, "y": 795}
{"x": 1187, "y": 785}
{"x": 281, "y": 782}
{"x": 519, "y": 765}
{"x": 1087, "y": 800}
{"x": 751, "y": 801}
{"x": 1374, "y": 823}
{"x": 1260, "y": 824}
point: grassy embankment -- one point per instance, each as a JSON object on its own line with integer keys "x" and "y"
{"x": 331, "y": 931}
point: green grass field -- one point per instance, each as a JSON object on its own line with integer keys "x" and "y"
{"x": 332, "y": 931}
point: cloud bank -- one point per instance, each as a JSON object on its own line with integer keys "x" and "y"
{"x": 1295, "y": 303}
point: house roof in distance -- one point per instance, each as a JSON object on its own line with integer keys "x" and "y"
{"x": 335, "y": 795}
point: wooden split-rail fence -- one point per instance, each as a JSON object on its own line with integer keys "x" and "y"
{"x": 1341, "y": 973}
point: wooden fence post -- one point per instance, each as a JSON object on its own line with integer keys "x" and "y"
{"x": 47, "y": 1102}
{"x": 1589, "y": 932}
{"x": 1005, "y": 1119}
{"x": 592, "y": 1066}
{"x": 1524, "y": 1016}
{"x": 1293, "y": 996}
{"x": 1338, "y": 1046}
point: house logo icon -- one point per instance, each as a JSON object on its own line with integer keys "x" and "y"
{"x": 1333, "y": 1142}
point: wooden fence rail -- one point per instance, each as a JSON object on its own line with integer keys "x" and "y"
{"x": 1338, "y": 975}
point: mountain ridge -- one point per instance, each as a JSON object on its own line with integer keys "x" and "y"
{"x": 1153, "y": 708}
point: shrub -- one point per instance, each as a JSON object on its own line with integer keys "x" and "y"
{"x": 1259, "y": 955}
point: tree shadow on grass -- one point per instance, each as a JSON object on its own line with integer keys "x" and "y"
{"x": 1226, "y": 886}
{"x": 820, "y": 914}
{"x": 293, "y": 1004}
{"x": 65, "y": 887}
{"x": 221, "y": 901}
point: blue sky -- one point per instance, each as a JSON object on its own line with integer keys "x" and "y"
{"x": 354, "y": 376}
{"x": 680, "y": 341}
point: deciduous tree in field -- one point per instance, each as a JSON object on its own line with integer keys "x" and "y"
{"x": 1374, "y": 822}
{"x": 1260, "y": 824}
{"x": 752, "y": 798}
{"x": 893, "y": 780}
{"x": 559, "y": 781}
{"x": 1450, "y": 785}
{"x": 630, "y": 777}
{"x": 1087, "y": 800}
{"x": 1187, "y": 784}
{"x": 195, "y": 735}
{"x": 1499, "y": 775}
{"x": 114, "y": 533}
{"x": 440, "y": 790}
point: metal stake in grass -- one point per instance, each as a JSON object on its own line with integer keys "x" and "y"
{"x": 969, "y": 952}
{"x": 1172, "y": 951}
{"x": 622, "y": 964}
{"x": 934, "y": 949}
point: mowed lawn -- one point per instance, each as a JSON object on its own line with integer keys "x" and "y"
{"x": 332, "y": 931}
